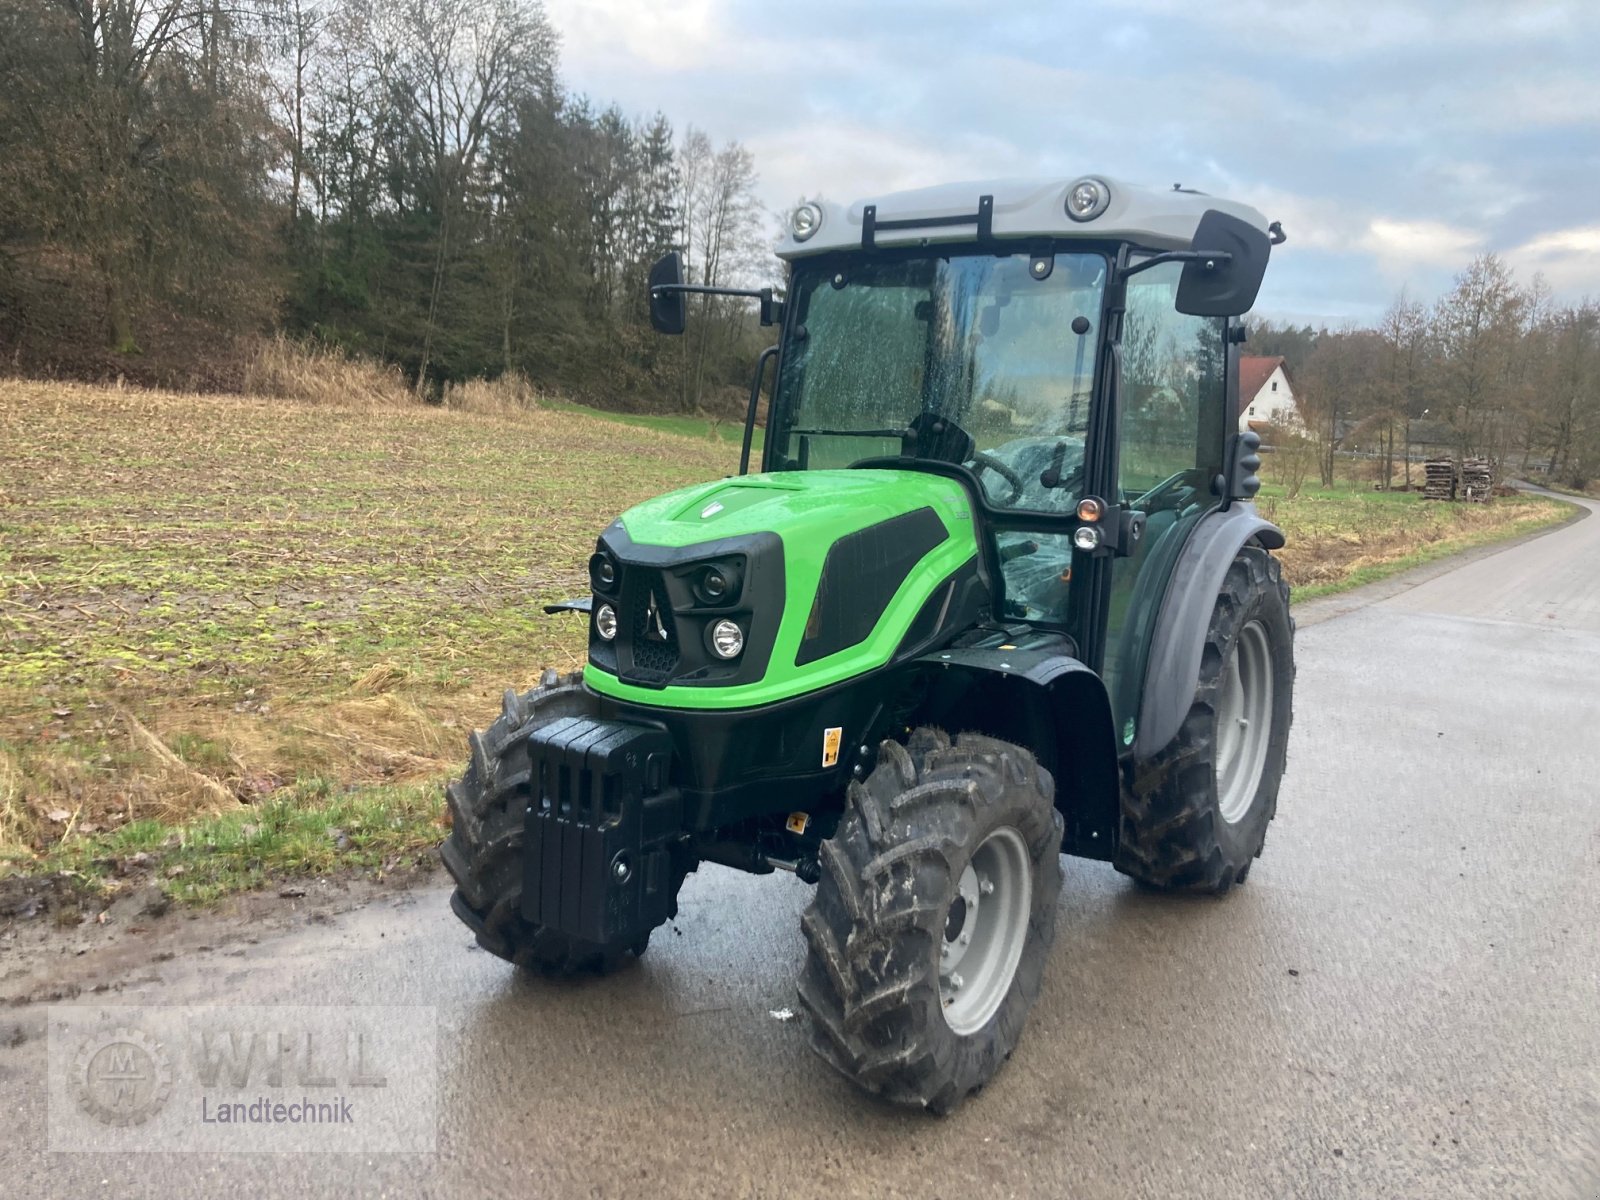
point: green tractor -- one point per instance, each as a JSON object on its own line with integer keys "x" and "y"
{"x": 997, "y": 594}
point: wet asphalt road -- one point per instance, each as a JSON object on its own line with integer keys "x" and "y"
{"x": 1403, "y": 1001}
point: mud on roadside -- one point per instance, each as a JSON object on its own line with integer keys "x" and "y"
{"x": 59, "y": 940}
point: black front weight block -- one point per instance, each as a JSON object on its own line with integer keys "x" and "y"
{"x": 601, "y": 816}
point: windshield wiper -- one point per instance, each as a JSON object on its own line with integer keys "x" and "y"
{"x": 855, "y": 433}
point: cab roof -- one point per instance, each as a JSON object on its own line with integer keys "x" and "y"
{"x": 1161, "y": 218}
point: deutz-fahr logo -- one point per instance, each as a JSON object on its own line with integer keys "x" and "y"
{"x": 654, "y": 629}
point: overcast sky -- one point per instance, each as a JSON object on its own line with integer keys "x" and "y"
{"x": 1394, "y": 139}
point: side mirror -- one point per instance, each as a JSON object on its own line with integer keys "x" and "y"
{"x": 668, "y": 309}
{"x": 1227, "y": 287}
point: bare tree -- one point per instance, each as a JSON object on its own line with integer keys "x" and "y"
{"x": 296, "y": 28}
{"x": 1477, "y": 326}
{"x": 1338, "y": 393}
{"x": 1571, "y": 393}
{"x": 721, "y": 225}
{"x": 450, "y": 67}
{"x": 405, "y": 176}
{"x": 1398, "y": 391}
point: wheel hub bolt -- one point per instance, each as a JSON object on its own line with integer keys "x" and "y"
{"x": 955, "y": 983}
{"x": 986, "y": 887}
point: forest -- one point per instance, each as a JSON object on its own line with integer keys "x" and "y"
{"x": 407, "y": 180}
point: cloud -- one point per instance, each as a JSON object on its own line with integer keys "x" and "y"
{"x": 847, "y": 160}
{"x": 683, "y": 35}
{"x": 1335, "y": 31}
{"x": 1408, "y": 243}
{"x": 1569, "y": 259}
{"x": 1394, "y": 142}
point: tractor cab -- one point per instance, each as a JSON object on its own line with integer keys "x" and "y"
{"x": 1064, "y": 345}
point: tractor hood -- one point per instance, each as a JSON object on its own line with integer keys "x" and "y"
{"x": 824, "y": 573}
{"x": 801, "y": 507}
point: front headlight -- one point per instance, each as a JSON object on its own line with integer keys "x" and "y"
{"x": 605, "y": 622}
{"x": 727, "y": 639}
{"x": 602, "y": 572}
{"x": 718, "y": 584}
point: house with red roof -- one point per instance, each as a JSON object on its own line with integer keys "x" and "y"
{"x": 1266, "y": 394}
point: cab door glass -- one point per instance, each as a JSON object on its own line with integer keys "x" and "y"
{"x": 1173, "y": 426}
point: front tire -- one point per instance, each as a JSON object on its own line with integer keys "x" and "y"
{"x": 929, "y": 931}
{"x": 484, "y": 850}
{"x": 1198, "y": 811}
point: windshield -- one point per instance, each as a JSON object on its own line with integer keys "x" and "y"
{"x": 1004, "y": 346}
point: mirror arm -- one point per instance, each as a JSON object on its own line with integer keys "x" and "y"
{"x": 1211, "y": 259}
{"x": 768, "y": 305}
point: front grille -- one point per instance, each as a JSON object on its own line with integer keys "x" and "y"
{"x": 654, "y": 658}
{"x": 661, "y": 622}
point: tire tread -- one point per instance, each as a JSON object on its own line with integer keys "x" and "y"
{"x": 484, "y": 850}
{"x": 1170, "y": 834}
{"x": 872, "y": 931}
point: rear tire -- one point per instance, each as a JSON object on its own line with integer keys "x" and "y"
{"x": 1198, "y": 814}
{"x": 484, "y": 850}
{"x": 940, "y": 841}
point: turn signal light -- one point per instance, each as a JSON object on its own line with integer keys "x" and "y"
{"x": 1090, "y": 509}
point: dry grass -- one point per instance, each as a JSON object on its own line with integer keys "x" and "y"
{"x": 208, "y": 600}
{"x": 1566, "y": 486}
{"x": 284, "y": 369}
{"x": 182, "y": 789}
{"x": 507, "y": 395}
{"x": 18, "y": 826}
{"x": 1350, "y": 534}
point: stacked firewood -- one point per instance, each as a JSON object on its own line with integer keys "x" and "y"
{"x": 1440, "y": 480}
{"x": 1477, "y": 479}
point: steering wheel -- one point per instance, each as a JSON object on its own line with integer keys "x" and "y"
{"x": 982, "y": 460}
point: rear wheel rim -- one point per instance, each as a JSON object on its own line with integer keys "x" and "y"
{"x": 1244, "y": 722}
{"x": 985, "y": 930}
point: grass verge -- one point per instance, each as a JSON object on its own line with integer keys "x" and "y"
{"x": 1373, "y": 572}
{"x": 1348, "y": 535}
{"x": 1590, "y": 493}
{"x": 309, "y": 828}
